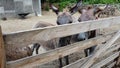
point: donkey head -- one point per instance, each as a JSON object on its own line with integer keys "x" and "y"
{"x": 63, "y": 17}
{"x": 88, "y": 13}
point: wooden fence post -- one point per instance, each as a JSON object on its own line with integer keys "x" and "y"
{"x": 2, "y": 51}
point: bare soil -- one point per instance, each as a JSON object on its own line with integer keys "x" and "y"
{"x": 16, "y": 24}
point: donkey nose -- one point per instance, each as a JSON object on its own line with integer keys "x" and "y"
{"x": 96, "y": 17}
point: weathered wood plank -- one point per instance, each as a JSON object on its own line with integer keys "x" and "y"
{"x": 111, "y": 49}
{"x": 2, "y": 51}
{"x": 118, "y": 61}
{"x": 102, "y": 49}
{"x": 57, "y": 53}
{"x": 78, "y": 63}
{"x": 105, "y": 61}
{"x": 27, "y": 37}
{"x": 111, "y": 65}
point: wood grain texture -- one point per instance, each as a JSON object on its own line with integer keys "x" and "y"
{"x": 59, "y": 52}
{"x": 102, "y": 49}
{"x": 105, "y": 61}
{"x": 2, "y": 51}
{"x": 24, "y": 38}
{"x": 111, "y": 65}
{"x": 79, "y": 62}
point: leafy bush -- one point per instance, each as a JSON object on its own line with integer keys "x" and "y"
{"x": 101, "y": 1}
{"x": 63, "y": 3}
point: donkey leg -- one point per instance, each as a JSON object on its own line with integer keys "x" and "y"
{"x": 37, "y": 48}
{"x": 67, "y": 60}
{"x": 91, "y": 50}
{"x": 63, "y": 42}
{"x": 60, "y": 63}
{"x": 68, "y": 39}
{"x": 86, "y": 52}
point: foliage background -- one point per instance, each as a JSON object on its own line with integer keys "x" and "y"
{"x": 63, "y": 3}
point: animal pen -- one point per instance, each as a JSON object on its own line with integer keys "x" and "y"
{"x": 106, "y": 44}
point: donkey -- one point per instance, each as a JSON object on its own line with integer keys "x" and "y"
{"x": 15, "y": 52}
{"x": 63, "y": 18}
{"x": 87, "y": 14}
{"x": 49, "y": 44}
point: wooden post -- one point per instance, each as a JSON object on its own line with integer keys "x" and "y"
{"x": 2, "y": 51}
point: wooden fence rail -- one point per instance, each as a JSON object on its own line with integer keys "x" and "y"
{"x": 78, "y": 63}
{"x": 27, "y": 37}
{"x": 55, "y": 54}
{"x": 102, "y": 49}
{"x": 105, "y": 61}
{"x": 24, "y": 38}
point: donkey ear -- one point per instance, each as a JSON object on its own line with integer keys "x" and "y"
{"x": 79, "y": 3}
{"x": 107, "y": 5}
{"x": 55, "y": 9}
{"x": 97, "y": 10}
{"x": 75, "y": 8}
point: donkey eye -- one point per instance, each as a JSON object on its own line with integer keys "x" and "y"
{"x": 58, "y": 23}
{"x": 70, "y": 22}
{"x": 79, "y": 20}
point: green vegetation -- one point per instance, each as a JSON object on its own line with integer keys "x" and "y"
{"x": 101, "y": 1}
{"x": 63, "y": 3}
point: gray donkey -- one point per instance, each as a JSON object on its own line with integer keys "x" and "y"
{"x": 87, "y": 13}
{"x": 63, "y": 18}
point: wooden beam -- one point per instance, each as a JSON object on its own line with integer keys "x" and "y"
{"x": 106, "y": 61}
{"x": 78, "y": 63}
{"x": 57, "y": 53}
{"x": 102, "y": 49}
{"x": 111, "y": 49}
{"x": 2, "y": 51}
{"x": 118, "y": 61}
{"x": 24, "y": 38}
{"x": 111, "y": 65}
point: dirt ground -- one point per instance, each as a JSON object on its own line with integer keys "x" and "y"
{"x": 15, "y": 24}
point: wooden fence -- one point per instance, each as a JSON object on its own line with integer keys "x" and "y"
{"x": 24, "y": 38}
